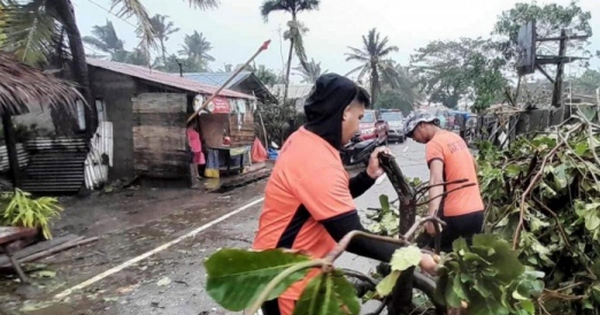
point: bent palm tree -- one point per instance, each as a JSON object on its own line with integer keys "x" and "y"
{"x": 296, "y": 29}
{"x": 373, "y": 56}
{"x": 35, "y": 26}
{"x": 105, "y": 39}
{"x": 163, "y": 30}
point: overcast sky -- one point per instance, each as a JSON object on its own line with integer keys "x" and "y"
{"x": 236, "y": 28}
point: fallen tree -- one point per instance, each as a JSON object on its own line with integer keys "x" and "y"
{"x": 543, "y": 195}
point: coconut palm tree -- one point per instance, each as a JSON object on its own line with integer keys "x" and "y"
{"x": 196, "y": 47}
{"x": 295, "y": 31}
{"x": 311, "y": 72}
{"x": 163, "y": 29}
{"x": 34, "y": 27}
{"x": 105, "y": 39}
{"x": 374, "y": 57}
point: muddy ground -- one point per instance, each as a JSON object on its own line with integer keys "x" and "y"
{"x": 133, "y": 222}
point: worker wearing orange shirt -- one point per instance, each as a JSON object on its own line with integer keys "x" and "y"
{"x": 309, "y": 202}
{"x": 449, "y": 159}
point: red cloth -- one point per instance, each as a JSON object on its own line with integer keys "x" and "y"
{"x": 196, "y": 146}
{"x": 259, "y": 153}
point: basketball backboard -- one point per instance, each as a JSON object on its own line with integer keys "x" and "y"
{"x": 526, "y": 44}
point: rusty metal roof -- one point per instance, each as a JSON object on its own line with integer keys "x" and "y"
{"x": 168, "y": 79}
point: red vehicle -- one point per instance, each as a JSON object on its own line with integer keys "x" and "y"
{"x": 371, "y": 127}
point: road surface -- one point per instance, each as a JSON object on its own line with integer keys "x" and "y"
{"x": 157, "y": 268}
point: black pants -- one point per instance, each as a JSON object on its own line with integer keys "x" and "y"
{"x": 271, "y": 307}
{"x": 464, "y": 226}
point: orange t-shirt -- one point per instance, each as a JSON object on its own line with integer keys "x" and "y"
{"x": 452, "y": 150}
{"x": 307, "y": 186}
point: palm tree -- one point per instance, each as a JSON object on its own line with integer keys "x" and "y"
{"x": 373, "y": 56}
{"x": 105, "y": 39}
{"x": 35, "y": 26}
{"x": 311, "y": 73}
{"x": 196, "y": 47}
{"x": 163, "y": 29}
{"x": 296, "y": 29}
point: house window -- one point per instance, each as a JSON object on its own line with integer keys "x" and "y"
{"x": 80, "y": 115}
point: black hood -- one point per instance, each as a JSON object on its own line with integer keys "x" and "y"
{"x": 325, "y": 105}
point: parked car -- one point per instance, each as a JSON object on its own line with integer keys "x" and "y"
{"x": 395, "y": 121}
{"x": 373, "y": 128}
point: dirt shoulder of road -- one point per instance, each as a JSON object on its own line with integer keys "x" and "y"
{"x": 128, "y": 223}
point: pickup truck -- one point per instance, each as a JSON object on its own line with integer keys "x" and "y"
{"x": 373, "y": 128}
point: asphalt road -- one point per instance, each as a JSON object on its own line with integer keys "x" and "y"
{"x": 172, "y": 281}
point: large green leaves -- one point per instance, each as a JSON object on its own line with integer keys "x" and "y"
{"x": 236, "y": 277}
{"x": 328, "y": 294}
{"x": 489, "y": 277}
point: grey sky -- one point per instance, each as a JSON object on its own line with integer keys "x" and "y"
{"x": 236, "y": 28}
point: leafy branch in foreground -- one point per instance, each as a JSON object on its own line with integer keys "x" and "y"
{"x": 489, "y": 277}
{"x": 243, "y": 279}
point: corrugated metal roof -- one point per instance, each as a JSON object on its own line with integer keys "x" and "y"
{"x": 160, "y": 77}
{"x": 295, "y": 91}
{"x": 217, "y": 78}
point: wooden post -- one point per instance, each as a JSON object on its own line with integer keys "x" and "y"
{"x": 557, "y": 92}
{"x": 11, "y": 149}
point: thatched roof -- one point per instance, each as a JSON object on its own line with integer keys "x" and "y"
{"x": 22, "y": 86}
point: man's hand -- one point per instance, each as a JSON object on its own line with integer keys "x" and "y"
{"x": 430, "y": 228}
{"x": 428, "y": 264}
{"x": 374, "y": 170}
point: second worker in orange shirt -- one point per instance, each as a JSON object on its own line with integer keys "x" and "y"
{"x": 448, "y": 159}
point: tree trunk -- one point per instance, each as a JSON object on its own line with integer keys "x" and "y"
{"x": 374, "y": 82}
{"x": 287, "y": 70}
{"x": 79, "y": 66}
{"x": 162, "y": 48}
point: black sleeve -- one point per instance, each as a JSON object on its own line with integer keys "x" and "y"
{"x": 360, "y": 183}
{"x": 343, "y": 224}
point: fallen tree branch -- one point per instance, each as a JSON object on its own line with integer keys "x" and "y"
{"x": 533, "y": 182}
{"x": 76, "y": 242}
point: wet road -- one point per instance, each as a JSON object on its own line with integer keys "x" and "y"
{"x": 171, "y": 281}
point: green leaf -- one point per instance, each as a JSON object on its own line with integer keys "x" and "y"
{"x": 390, "y": 223}
{"x": 405, "y": 258}
{"x": 385, "y": 287}
{"x": 236, "y": 276}
{"x": 384, "y": 200}
{"x": 328, "y": 294}
{"x": 451, "y": 297}
{"x": 504, "y": 259}
{"x": 581, "y": 148}
{"x": 512, "y": 170}
{"x": 528, "y": 306}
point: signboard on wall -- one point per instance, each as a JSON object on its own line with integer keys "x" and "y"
{"x": 219, "y": 105}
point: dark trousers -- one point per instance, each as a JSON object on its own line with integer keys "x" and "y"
{"x": 464, "y": 226}
{"x": 271, "y": 307}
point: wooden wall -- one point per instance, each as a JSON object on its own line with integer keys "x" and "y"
{"x": 241, "y": 134}
{"x": 159, "y": 139}
{"x": 212, "y": 127}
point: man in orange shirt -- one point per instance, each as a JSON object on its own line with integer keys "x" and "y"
{"x": 448, "y": 159}
{"x": 309, "y": 197}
